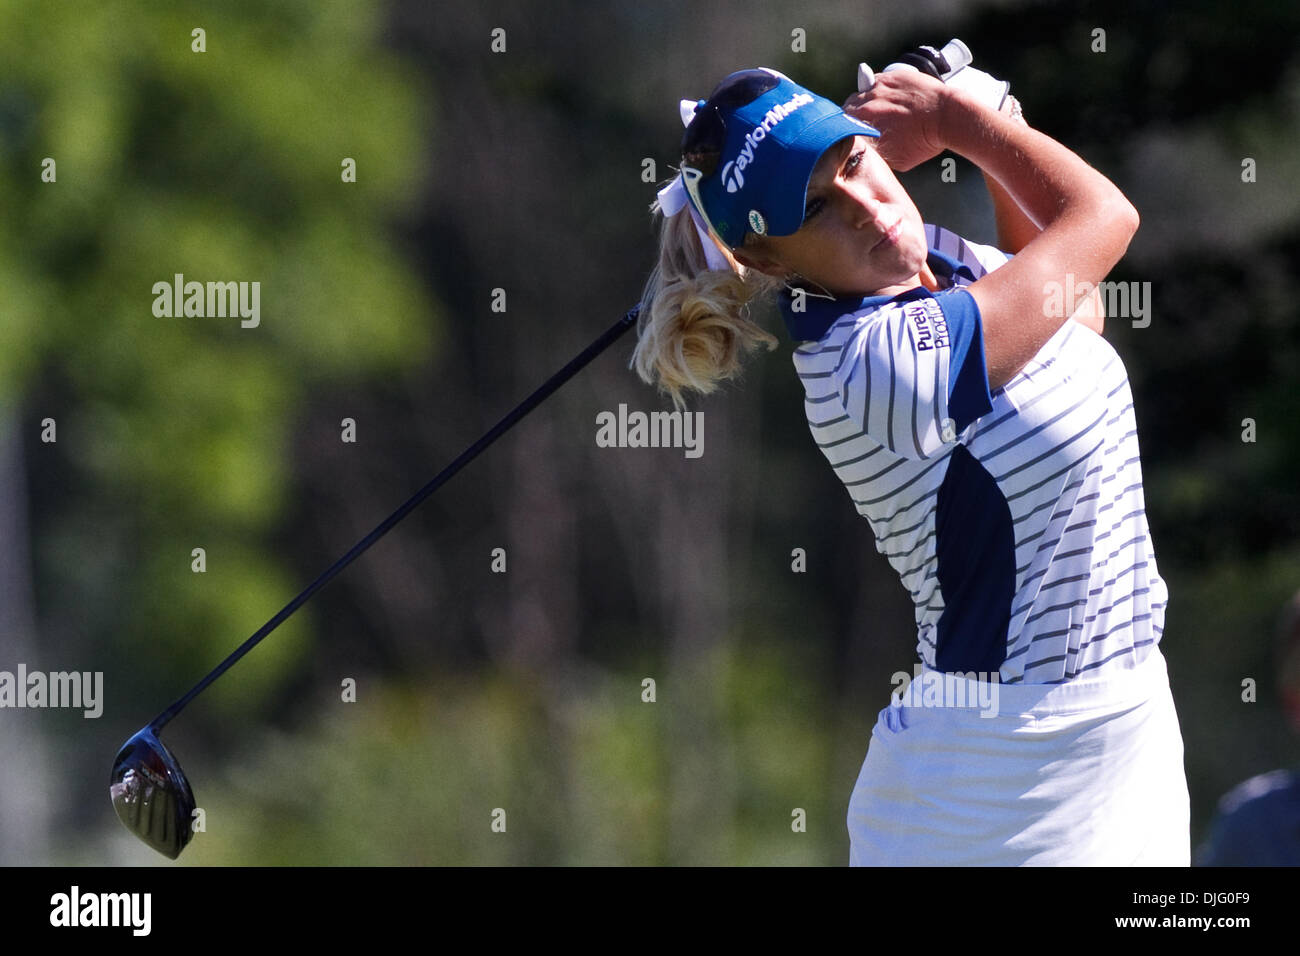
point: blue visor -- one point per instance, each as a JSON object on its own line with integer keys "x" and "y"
{"x": 747, "y": 164}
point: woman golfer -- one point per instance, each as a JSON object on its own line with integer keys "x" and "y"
{"x": 981, "y": 425}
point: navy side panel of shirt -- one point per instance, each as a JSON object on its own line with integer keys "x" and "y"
{"x": 976, "y": 563}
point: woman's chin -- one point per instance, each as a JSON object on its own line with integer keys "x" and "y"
{"x": 914, "y": 252}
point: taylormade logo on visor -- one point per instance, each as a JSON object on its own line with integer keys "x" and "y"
{"x": 733, "y": 172}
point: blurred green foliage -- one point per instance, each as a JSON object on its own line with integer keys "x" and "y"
{"x": 415, "y": 775}
{"x": 225, "y": 165}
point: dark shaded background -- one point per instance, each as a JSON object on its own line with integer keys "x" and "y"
{"x": 522, "y": 171}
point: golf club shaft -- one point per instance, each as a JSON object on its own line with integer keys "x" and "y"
{"x": 468, "y": 455}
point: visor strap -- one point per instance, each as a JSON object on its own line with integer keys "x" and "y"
{"x": 673, "y": 198}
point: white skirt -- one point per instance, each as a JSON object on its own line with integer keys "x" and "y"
{"x": 1086, "y": 773}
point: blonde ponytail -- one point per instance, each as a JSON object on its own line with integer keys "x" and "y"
{"x": 694, "y": 331}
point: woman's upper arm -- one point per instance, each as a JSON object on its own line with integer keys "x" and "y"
{"x": 1024, "y": 302}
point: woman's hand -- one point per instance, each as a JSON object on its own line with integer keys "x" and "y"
{"x": 905, "y": 106}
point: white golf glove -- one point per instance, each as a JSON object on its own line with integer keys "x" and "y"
{"x": 952, "y": 66}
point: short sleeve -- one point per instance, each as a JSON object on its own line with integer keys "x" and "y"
{"x": 913, "y": 374}
{"x": 987, "y": 258}
{"x": 979, "y": 258}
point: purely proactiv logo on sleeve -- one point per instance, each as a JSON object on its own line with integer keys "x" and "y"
{"x": 927, "y": 318}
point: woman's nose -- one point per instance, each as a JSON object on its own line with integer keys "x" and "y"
{"x": 863, "y": 209}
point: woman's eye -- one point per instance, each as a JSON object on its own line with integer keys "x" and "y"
{"x": 851, "y": 166}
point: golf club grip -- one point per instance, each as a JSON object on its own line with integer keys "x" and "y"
{"x": 469, "y": 454}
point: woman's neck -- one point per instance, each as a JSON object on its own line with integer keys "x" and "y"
{"x": 927, "y": 279}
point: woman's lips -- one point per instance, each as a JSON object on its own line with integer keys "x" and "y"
{"x": 891, "y": 235}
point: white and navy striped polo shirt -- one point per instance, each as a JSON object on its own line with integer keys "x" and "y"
{"x": 1015, "y": 518}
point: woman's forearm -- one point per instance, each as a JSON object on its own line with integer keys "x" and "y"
{"x": 1014, "y": 228}
{"x": 1042, "y": 178}
{"x": 1086, "y": 227}
{"x": 1015, "y": 231}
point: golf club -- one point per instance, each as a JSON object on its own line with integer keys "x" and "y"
{"x": 149, "y": 790}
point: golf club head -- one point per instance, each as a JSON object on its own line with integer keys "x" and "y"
{"x": 151, "y": 795}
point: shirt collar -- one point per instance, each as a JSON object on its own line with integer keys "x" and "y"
{"x": 819, "y": 314}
